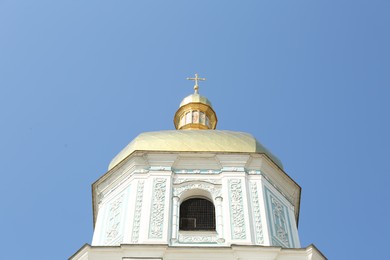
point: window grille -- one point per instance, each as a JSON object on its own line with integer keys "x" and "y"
{"x": 189, "y": 223}
{"x": 197, "y": 214}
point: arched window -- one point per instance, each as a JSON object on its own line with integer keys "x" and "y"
{"x": 197, "y": 214}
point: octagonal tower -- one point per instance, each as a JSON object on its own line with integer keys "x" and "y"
{"x": 195, "y": 192}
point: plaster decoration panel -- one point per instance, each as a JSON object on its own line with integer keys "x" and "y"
{"x": 137, "y": 211}
{"x": 237, "y": 216}
{"x": 157, "y": 210}
{"x": 211, "y": 188}
{"x": 197, "y": 238}
{"x": 113, "y": 231}
{"x": 279, "y": 222}
{"x": 196, "y": 171}
{"x": 258, "y": 226}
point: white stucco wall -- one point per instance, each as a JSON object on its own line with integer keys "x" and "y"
{"x": 138, "y": 202}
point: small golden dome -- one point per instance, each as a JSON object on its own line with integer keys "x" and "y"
{"x": 195, "y": 98}
{"x": 195, "y": 112}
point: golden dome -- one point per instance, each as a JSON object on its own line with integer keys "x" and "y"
{"x": 194, "y": 141}
{"x": 195, "y": 98}
{"x": 195, "y": 111}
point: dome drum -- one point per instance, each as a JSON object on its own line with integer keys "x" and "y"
{"x": 195, "y": 116}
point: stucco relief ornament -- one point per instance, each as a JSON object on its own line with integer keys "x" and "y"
{"x": 279, "y": 221}
{"x": 137, "y": 212}
{"x": 112, "y": 233}
{"x": 197, "y": 238}
{"x": 237, "y": 210}
{"x": 157, "y": 212}
{"x": 215, "y": 191}
{"x": 281, "y": 234}
{"x": 114, "y": 214}
{"x": 256, "y": 213}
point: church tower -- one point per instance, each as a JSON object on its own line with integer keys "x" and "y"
{"x": 195, "y": 193}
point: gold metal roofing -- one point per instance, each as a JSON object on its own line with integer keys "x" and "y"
{"x": 195, "y": 98}
{"x": 194, "y": 141}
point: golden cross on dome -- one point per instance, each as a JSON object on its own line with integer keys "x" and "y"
{"x": 196, "y": 79}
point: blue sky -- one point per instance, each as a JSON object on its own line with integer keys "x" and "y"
{"x": 81, "y": 79}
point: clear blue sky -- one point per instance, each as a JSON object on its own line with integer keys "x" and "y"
{"x": 81, "y": 79}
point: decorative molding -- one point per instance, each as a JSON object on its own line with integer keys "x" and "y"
{"x": 279, "y": 221}
{"x": 157, "y": 211}
{"x": 182, "y": 180}
{"x": 113, "y": 221}
{"x": 258, "y": 172}
{"x": 219, "y": 219}
{"x": 160, "y": 168}
{"x": 142, "y": 171}
{"x": 279, "y": 224}
{"x": 100, "y": 197}
{"x": 253, "y": 172}
{"x": 230, "y": 169}
{"x": 288, "y": 198}
{"x": 215, "y": 191}
{"x": 137, "y": 211}
{"x": 116, "y": 173}
{"x": 224, "y": 169}
{"x": 233, "y": 169}
{"x": 256, "y": 214}
{"x": 276, "y": 242}
{"x": 198, "y": 238}
{"x": 237, "y": 216}
{"x": 196, "y": 171}
{"x": 106, "y": 193}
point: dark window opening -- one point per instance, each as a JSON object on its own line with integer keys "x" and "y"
{"x": 197, "y": 214}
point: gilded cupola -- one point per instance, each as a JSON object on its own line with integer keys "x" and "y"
{"x": 195, "y": 111}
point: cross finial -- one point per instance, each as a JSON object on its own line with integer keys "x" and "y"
{"x": 196, "y": 79}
